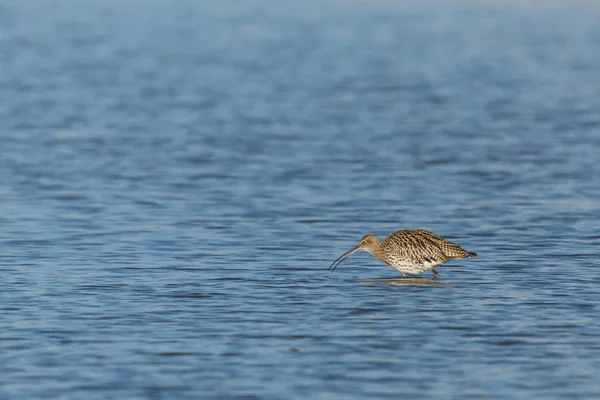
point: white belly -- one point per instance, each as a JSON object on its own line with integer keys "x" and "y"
{"x": 413, "y": 268}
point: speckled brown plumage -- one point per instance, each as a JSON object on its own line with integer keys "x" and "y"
{"x": 410, "y": 251}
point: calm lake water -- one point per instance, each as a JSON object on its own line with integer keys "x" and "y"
{"x": 177, "y": 176}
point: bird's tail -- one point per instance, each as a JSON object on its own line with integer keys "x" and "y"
{"x": 471, "y": 254}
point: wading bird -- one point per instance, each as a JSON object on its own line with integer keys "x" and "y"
{"x": 409, "y": 251}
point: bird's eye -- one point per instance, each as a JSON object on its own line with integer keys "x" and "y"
{"x": 363, "y": 242}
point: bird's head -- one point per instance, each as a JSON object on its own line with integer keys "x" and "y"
{"x": 368, "y": 243}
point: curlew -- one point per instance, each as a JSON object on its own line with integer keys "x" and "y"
{"x": 409, "y": 251}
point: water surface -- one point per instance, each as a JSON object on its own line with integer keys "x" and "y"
{"x": 176, "y": 178}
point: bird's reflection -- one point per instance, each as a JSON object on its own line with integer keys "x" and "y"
{"x": 407, "y": 281}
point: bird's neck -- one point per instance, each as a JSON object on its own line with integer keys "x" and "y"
{"x": 375, "y": 249}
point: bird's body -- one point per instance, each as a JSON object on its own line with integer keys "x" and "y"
{"x": 409, "y": 251}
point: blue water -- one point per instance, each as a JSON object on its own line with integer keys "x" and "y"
{"x": 176, "y": 178}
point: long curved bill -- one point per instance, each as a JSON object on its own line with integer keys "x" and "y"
{"x": 341, "y": 258}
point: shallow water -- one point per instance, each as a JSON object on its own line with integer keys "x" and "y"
{"x": 176, "y": 178}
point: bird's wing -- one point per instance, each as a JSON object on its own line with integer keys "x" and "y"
{"x": 450, "y": 250}
{"x": 414, "y": 247}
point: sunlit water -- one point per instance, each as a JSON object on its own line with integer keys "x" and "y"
{"x": 176, "y": 178}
